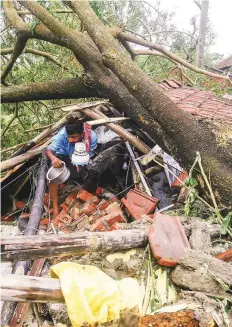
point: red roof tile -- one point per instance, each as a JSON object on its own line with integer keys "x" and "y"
{"x": 225, "y": 63}
{"x": 203, "y": 104}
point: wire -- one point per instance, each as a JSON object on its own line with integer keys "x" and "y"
{"x": 19, "y": 176}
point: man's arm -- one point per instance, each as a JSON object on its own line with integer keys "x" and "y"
{"x": 56, "y": 162}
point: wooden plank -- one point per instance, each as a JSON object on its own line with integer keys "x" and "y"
{"x": 142, "y": 178}
{"x": 21, "y": 288}
{"x": 22, "y": 308}
{"x": 77, "y": 244}
{"x": 124, "y": 134}
{"x": 12, "y": 162}
{"x": 107, "y": 120}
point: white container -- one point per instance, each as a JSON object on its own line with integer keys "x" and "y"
{"x": 58, "y": 175}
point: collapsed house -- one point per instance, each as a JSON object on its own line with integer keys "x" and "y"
{"x": 138, "y": 184}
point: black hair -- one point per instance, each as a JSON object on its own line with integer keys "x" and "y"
{"x": 74, "y": 126}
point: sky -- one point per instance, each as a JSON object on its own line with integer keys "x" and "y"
{"x": 220, "y": 15}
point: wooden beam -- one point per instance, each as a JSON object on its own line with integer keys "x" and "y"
{"x": 21, "y": 310}
{"x": 106, "y": 120}
{"x": 124, "y": 134}
{"x": 21, "y": 288}
{"x": 12, "y": 162}
{"x": 31, "y": 247}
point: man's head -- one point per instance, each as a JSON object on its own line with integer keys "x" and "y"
{"x": 74, "y": 129}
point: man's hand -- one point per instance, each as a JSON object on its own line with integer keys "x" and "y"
{"x": 57, "y": 163}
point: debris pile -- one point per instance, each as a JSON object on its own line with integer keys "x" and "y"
{"x": 126, "y": 229}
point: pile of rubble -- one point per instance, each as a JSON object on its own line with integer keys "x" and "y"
{"x": 83, "y": 211}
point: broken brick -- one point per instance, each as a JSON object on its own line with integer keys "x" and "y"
{"x": 115, "y": 226}
{"x": 20, "y": 204}
{"x": 103, "y": 205}
{"x": 61, "y": 215}
{"x": 180, "y": 180}
{"x": 100, "y": 226}
{"x": 95, "y": 200}
{"x": 225, "y": 256}
{"x": 72, "y": 196}
{"x": 64, "y": 206}
{"x": 44, "y": 221}
{"x": 74, "y": 212}
{"x": 138, "y": 203}
{"x": 113, "y": 207}
{"x": 87, "y": 209}
{"x": 84, "y": 196}
{"x": 114, "y": 217}
{"x": 167, "y": 239}
{"x": 97, "y": 215}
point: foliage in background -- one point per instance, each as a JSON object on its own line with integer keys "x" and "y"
{"x": 140, "y": 18}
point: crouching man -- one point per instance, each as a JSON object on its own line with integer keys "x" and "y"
{"x": 74, "y": 136}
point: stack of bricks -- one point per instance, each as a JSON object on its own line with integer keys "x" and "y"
{"x": 84, "y": 211}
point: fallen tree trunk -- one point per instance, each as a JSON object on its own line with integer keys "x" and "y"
{"x": 28, "y": 288}
{"x": 22, "y": 248}
{"x": 22, "y": 267}
{"x": 115, "y": 76}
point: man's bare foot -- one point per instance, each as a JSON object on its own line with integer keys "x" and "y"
{"x": 56, "y": 212}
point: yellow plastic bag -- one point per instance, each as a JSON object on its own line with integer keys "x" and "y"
{"x": 91, "y": 296}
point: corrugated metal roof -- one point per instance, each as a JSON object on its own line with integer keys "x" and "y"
{"x": 225, "y": 63}
{"x": 203, "y": 104}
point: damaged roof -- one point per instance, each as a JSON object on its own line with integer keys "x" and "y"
{"x": 225, "y": 63}
{"x": 200, "y": 103}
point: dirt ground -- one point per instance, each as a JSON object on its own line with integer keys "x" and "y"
{"x": 175, "y": 319}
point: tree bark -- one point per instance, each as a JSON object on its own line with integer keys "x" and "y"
{"x": 64, "y": 89}
{"x": 115, "y": 76}
{"x": 29, "y": 248}
{"x": 202, "y": 33}
{"x": 186, "y": 134}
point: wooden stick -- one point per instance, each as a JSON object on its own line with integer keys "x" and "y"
{"x": 12, "y": 162}
{"x": 142, "y": 178}
{"x": 96, "y": 114}
{"x": 21, "y": 311}
{"x": 12, "y": 147}
{"x": 107, "y": 120}
{"x": 19, "y": 247}
{"x": 80, "y": 106}
{"x": 30, "y": 288}
{"x": 38, "y": 128}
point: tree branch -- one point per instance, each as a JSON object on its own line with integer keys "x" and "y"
{"x": 133, "y": 39}
{"x": 41, "y": 32}
{"x": 197, "y": 3}
{"x": 64, "y": 89}
{"x": 58, "y": 11}
{"x": 12, "y": 119}
{"x": 38, "y": 128}
{"x": 17, "y": 50}
{"x": 37, "y": 53}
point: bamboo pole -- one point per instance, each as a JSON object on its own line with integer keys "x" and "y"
{"x": 12, "y": 162}
{"x": 106, "y": 120}
{"x": 19, "y": 247}
{"x": 30, "y": 288}
{"x": 96, "y": 114}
